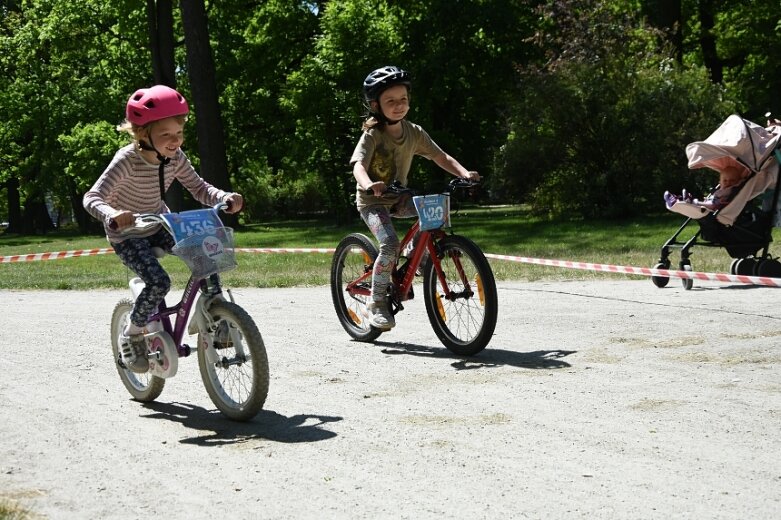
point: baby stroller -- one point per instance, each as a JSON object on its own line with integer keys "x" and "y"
{"x": 744, "y": 226}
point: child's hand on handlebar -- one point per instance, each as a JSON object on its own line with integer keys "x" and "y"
{"x": 472, "y": 176}
{"x": 235, "y": 203}
{"x": 122, "y": 219}
{"x": 378, "y": 188}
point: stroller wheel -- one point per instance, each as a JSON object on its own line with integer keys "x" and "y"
{"x": 660, "y": 281}
{"x": 769, "y": 267}
{"x": 687, "y": 283}
{"x": 745, "y": 266}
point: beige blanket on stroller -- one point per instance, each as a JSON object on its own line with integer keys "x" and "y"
{"x": 738, "y": 141}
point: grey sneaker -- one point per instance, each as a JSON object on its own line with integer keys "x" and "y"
{"x": 132, "y": 353}
{"x": 380, "y": 317}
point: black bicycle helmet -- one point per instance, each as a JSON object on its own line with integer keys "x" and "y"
{"x": 383, "y": 78}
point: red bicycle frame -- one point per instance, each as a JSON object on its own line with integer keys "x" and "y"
{"x": 360, "y": 287}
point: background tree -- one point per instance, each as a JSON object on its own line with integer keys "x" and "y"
{"x": 162, "y": 47}
{"x": 582, "y": 108}
{"x": 739, "y": 43}
{"x": 259, "y": 45}
{"x": 599, "y": 129}
{"x": 203, "y": 84}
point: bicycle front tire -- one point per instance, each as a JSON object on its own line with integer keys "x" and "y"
{"x": 238, "y": 381}
{"x": 465, "y": 321}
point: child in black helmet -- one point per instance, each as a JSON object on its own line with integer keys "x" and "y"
{"x": 384, "y": 155}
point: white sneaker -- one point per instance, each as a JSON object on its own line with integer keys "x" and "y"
{"x": 380, "y": 317}
{"x": 132, "y": 353}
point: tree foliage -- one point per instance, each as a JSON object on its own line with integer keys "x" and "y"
{"x": 579, "y": 107}
{"x": 600, "y": 127}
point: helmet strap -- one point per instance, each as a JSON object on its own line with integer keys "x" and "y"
{"x": 161, "y": 174}
{"x": 161, "y": 168}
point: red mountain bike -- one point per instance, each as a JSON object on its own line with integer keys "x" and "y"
{"x": 458, "y": 284}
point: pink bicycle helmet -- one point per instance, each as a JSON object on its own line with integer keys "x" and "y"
{"x": 155, "y": 103}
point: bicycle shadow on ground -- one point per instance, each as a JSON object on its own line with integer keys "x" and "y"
{"x": 214, "y": 429}
{"x": 488, "y": 358}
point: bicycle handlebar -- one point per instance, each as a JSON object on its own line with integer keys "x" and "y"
{"x": 149, "y": 219}
{"x": 454, "y": 184}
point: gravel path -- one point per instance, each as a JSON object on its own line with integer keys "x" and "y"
{"x": 596, "y": 399}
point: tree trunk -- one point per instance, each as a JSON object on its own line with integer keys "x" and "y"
{"x": 708, "y": 41}
{"x": 200, "y": 68}
{"x": 14, "y": 206}
{"x": 160, "y": 23}
{"x": 84, "y": 220}
{"x": 36, "y": 219}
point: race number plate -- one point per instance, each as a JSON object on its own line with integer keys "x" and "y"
{"x": 193, "y": 222}
{"x": 433, "y": 211}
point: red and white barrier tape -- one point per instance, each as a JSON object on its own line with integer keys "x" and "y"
{"x": 35, "y": 257}
{"x": 643, "y": 271}
{"x": 283, "y": 250}
{"x": 607, "y": 268}
{"x": 54, "y": 256}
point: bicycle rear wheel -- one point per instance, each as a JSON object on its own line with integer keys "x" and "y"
{"x": 465, "y": 319}
{"x": 233, "y": 362}
{"x": 353, "y": 259}
{"x": 143, "y": 387}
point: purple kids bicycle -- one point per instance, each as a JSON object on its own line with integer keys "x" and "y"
{"x": 231, "y": 354}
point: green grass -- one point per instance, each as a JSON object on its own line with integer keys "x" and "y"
{"x": 498, "y": 230}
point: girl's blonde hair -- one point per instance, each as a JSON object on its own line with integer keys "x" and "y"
{"x": 138, "y": 132}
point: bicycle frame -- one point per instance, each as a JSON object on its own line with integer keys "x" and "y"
{"x": 182, "y": 310}
{"x": 426, "y": 242}
{"x": 184, "y": 307}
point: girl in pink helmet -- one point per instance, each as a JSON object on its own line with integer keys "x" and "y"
{"x": 135, "y": 182}
{"x": 382, "y": 156}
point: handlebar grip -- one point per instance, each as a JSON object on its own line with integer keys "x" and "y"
{"x": 112, "y": 225}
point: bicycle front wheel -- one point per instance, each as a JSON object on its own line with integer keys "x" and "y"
{"x": 461, "y": 300}
{"x": 233, "y": 362}
{"x": 353, "y": 260}
{"x": 143, "y": 387}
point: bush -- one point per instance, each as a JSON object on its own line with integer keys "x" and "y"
{"x": 604, "y": 135}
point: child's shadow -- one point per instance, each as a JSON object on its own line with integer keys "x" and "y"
{"x": 490, "y": 357}
{"x": 220, "y": 430}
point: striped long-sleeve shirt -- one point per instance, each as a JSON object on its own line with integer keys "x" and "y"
{"x": 130, "y": 183}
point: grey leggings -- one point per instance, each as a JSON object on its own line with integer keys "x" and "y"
{"x": 378, "y": 218}
{"x": 137, "y": 254}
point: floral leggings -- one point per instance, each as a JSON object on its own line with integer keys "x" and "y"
{"x": 137, "y": 254}
{"x": 378, "y": 218}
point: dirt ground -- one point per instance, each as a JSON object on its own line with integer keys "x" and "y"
{"x": 599, "y": 399}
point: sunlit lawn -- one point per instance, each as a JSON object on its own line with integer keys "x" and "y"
{"x": 497, "y": 230}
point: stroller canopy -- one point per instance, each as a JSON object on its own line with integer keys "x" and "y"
{"x": 738, "y": 141}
